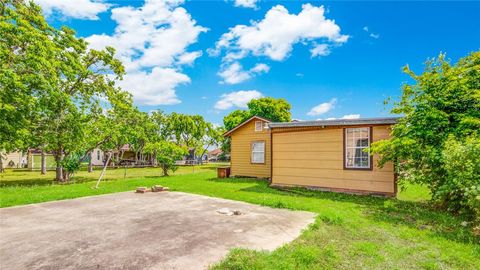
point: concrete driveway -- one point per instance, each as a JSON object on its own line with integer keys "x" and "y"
{"x": 167, "y": 230}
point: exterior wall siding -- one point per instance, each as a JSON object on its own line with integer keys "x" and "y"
{"x": 240, "y": 157}
{"x": 314, "y": 158}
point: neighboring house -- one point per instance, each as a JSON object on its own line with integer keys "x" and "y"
{"x": 97, "y": 157}
{"x": 15, "y": 159}
{"x": 214, "y": 154}
{"x": 325, "y": 154}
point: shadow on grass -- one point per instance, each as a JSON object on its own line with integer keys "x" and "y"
{"x": 43, "y": 182}
{"x": 418, "y": 215}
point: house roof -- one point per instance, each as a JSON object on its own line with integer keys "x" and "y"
{"x": 226, "y": 134}
{"x": 217, "y": 151}
{"x": 336, "y": 122}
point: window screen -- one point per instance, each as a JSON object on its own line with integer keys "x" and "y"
{"x": 258, "y": 152}
{"x": 356, "y": 140}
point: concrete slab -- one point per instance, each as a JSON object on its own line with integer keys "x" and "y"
{"x": 166, "y": 230}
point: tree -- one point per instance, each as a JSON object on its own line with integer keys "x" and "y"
{"x": 276, "y": 110}
{"x": 444, "y": 101}
{"x": 54, "y": 80}
{"x": 26, "y": 51}
{"x": 213, "y": 137}
{"x": 166, "y": 153}
{"x": 234, "y": 118}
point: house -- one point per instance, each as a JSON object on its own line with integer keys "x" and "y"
{"x": 325, "y": 154}
{"x": 97, "y": 157}
{"x": 15, "y": 159}
{"x": 214, "y": 155}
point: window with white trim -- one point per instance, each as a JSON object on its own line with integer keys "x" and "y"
{"x": 258, "y": 152}
{"x": 258, "y": 125}
{"x": 356, "y": 141}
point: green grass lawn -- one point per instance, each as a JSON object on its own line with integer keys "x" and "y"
{"x": 350, "y": 232}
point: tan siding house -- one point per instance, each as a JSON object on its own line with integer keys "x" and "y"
{"x": 250, "y": 149}
{"x": 316, "y": 158}
{"x": 326, "y": 155}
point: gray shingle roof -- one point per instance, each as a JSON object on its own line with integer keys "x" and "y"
{"x": 336, "y": 122}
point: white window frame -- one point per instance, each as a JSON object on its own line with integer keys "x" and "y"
{"x": 256, "y": 152}
{"x": 346, "y": 147}
{"x": 258, "y": 127}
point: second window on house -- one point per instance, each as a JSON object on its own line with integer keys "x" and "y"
{"x": 258, "y": 152}
{"x": 356, "y": 141}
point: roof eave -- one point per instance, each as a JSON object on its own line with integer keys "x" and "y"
{"x": 342, "y": 122}
{"x": 227, "y": 134}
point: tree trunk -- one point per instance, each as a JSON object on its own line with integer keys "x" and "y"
{"x": 1, "y": 164}
{"x": 90, "y": 163}
{"x": 165, "y": 170}
{"x": 66, "y": 176}
{"x": 44, "y": 163}
{"x": 104, "y": 169}
{"x": 59, "y": 169}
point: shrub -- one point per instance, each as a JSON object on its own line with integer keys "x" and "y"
{"x": 166, "y": 153}
{"x": 460, "y": 189}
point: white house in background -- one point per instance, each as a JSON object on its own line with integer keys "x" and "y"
{"x": 97, "y": 157}
{"x": 15, "y": 160}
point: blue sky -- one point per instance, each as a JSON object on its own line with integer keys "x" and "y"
{"x": 328, "y": 59}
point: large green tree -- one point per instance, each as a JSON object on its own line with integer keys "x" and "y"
{"x": 443, "y": 102}
{"x": 276, "y": 110}
{"x": 49, "y": 78}
{"x": 26, "y": 70}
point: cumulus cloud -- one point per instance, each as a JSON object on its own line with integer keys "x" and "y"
{"x": 155, "y": 87}
{"x": 323, "y": 107}
{"x": 188, "y": 58}
{"x": 236, "y": 99}
{"x": 246, "y": 3}
{"x": 234, "y": 73}
{"x": 275, "y": 35}
{"x": 152, "y": 42}
{"x": 320, "y": 50}
{"x": 78, "y": 9}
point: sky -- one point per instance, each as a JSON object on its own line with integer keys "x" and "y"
{"x": 328, "y": 59}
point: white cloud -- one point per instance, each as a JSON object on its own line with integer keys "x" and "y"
{"x": 372, "y": 35}
{"x": 323, "y": 107}
{"x": 188, "y": 58}
{"x": 237, "y": 99}
{"x": 155, "y": 87}
{"x": 246, "y": 3}
{"x": 152, "y": 42}
{"x": 234, "y": 73}
{"x": 351, "y": 116}
{"x": 259, "y": 68}
{"x": 347, "y": 116}
{"x": 275, "y": 35}
{"x": 320, "y": 50}
{"x": 78, "y": 9}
